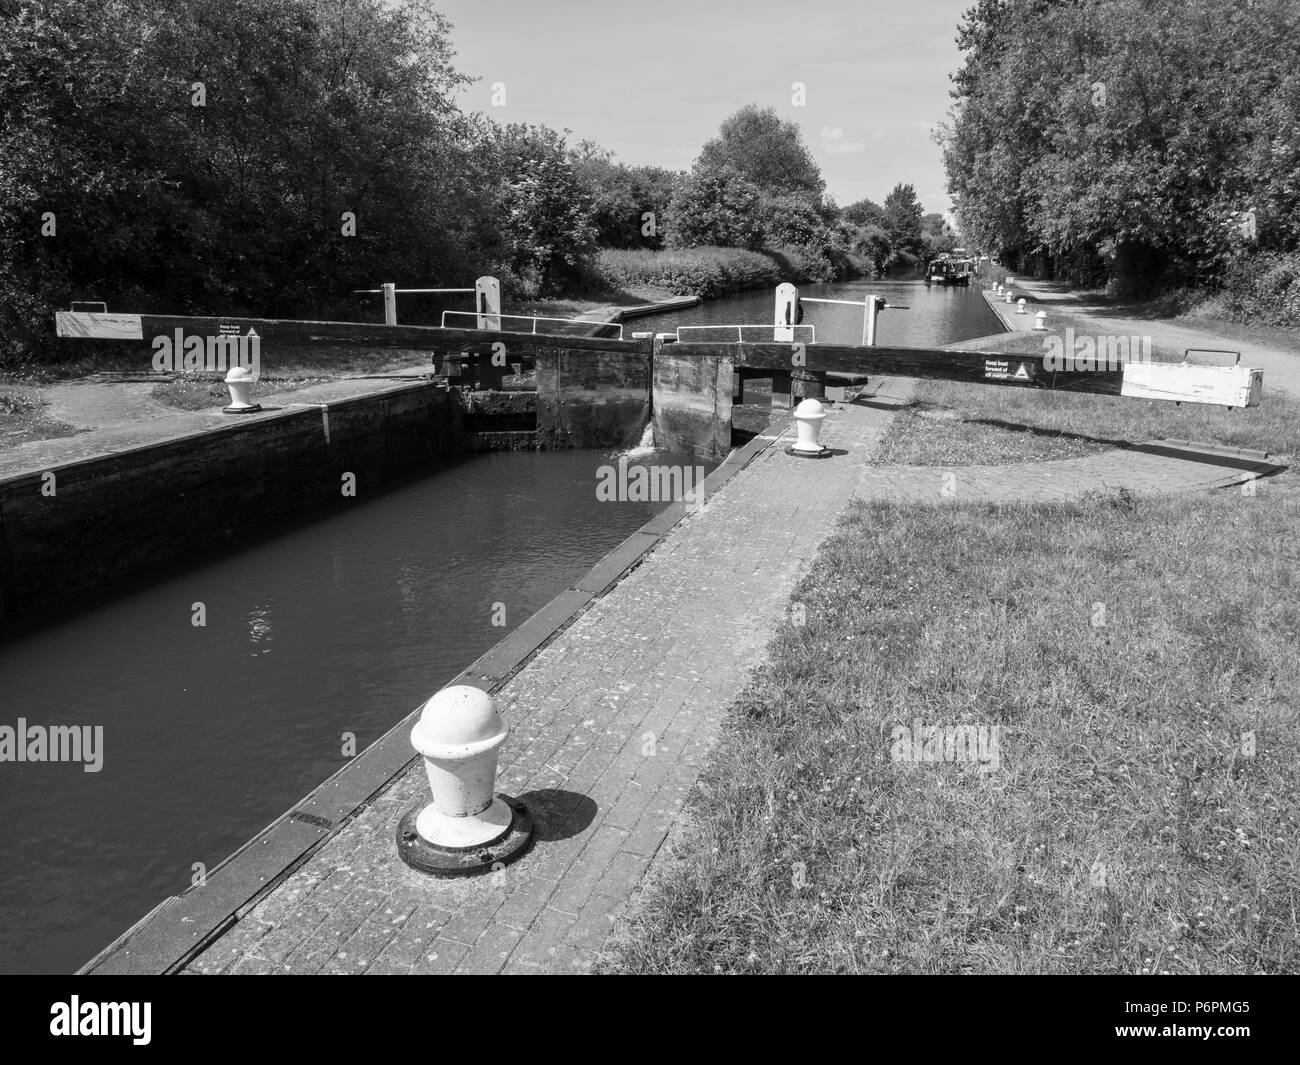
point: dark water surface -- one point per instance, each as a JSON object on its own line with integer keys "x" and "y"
{"x": 211, "y": 733}
{"x": 937, "y": 315}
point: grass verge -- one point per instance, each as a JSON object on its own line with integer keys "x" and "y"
{"x": 954, "y": 423}
{"x": 1138, "y": 657}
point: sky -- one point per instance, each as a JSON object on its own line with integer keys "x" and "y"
{"x": 653, "y": 80}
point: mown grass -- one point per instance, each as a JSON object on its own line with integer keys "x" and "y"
{"x": 954, "y": 423}
{"x": 934, "y": 431}
{"x": 1128, "y": 649}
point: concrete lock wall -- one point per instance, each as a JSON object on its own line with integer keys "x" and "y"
{"x": 114, "y": 515}
{"x": 592, "y": 399}
{"x": 692, "y": 403}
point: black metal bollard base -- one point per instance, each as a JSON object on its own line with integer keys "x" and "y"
{"x": 419, "y": 853}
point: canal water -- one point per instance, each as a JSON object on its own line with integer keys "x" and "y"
{"x": 211, "y": 732}
{"x": 937, "y": 315}
{"x": 342, "y": 627}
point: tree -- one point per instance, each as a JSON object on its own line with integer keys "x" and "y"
{"x": 543, "y": 211}
{"x": 200, "y": 158}
{"x": 873, "y": 244}
{"x": 766, "y": 150}
{"x": 865, "y": 213}
{"x": 903, "y": 220}
{"x": 936, "y": 234}
{"x": 715, "y": 206}
{"x": 652, "y": 188}
{"x": 623, "y": 197}
{"x": 1108, "y": 133}
{"x": 795, "y": 218}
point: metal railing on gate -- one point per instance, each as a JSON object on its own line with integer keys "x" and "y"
{"x": 808, "y": 336}
{"x": 871, "y": 305}
{"x": 534, "y": 319}
{"x": 487, "y": 299}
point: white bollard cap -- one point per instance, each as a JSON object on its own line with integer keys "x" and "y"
{"x": 238, "y": 374}
{"x": 810, "y": 408}
{"x": 458, "y": 723}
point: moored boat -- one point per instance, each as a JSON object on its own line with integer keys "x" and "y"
{"x": 944, "y": 270}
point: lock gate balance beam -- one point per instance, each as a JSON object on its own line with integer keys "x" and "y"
{"x": 1228, "y": 386}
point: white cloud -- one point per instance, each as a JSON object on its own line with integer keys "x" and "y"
{"x": 833, "y": 142}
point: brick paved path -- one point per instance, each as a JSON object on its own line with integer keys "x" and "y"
{"x": 612, "y": 723}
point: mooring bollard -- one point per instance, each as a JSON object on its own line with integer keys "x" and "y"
{"x": 998, "y": 288}
{"x": 240, "y": 382}
{"x": 1040, "y": 321}
{"x": 466, "y": 828}
{"x": 808, "y": 418}
{"x": 1010, "y": 296}
{"x": 1020, "y": 306}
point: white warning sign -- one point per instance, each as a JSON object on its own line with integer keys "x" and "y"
{"x": 1008, "y": 370}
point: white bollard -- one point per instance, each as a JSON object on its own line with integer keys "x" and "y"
{"x": 808, "y": 417}
{"x": 998, "y": 288}
{"x": 466, "y": 828}
{"x": 1020, "y": 308}
{"x": 1040, "y": 321}
{"x": 1010, "y": 296}
{"x": 240, "y": 383}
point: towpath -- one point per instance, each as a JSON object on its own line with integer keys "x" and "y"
{"x": 1281, "y": 366}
